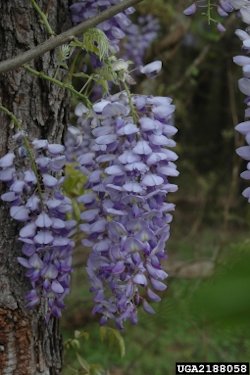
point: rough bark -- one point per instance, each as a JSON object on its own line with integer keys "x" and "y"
{"x": 28, "y": 345}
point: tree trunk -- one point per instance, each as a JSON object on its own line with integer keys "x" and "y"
{"x": 28, "y": 345}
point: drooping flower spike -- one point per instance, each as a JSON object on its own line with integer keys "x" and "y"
{"x": 134, "y": 38}
{"x": 244, "y": 87}
{"x": 223, "y": 9}
{"x": 34, "y": 192}
{"x": 139, "y": 38}
{"x": 115, "y": 28}
{"x": 126, "y": 217}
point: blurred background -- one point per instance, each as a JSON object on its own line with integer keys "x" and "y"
{"x": 205, "y": 311}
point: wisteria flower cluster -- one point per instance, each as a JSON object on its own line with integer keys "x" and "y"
{"x": 32, "y": 173}
{"x": 115, "y": 28}
{"x": 126, "y": 216}
{"x": 244, "y": 86}
{"x": 242, "y": 8}
{"x": 140, "y": 36}
{"x": 223, "y": 9}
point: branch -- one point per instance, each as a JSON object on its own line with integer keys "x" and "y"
{"x": 198, "y": 61}
{"x": 63, "y": 38}
{"x": 43, "y": 18}
{"x": 56, "y": 82}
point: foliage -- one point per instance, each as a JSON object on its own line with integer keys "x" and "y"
{"x": 107, "y": 335}
{"x": 227, "y": 307}
{"x": 178, "y": 332}
{"x": 113, "y": 337}
{"x": 94, "y": 41}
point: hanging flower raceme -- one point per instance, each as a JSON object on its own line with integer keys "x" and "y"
{"x": 244, "y": 86}
{"x": 223, "y": 9}
{"x": 126, "y": 217}
{"x": 140, "y": 36}
{"x": 32, "y": 174}
{"x": 115, "y": 28}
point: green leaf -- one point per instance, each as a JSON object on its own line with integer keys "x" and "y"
{"x": 76, "y": 210}
{"x": 79, "y": 334}
{"x": 77, "y": 43}
{"x": 96, "y": 370}
{"x": 114, "y": 338}
{"x": 104, "y": 85}
{"x": 75, "y": 344}
{"x": 194, "y": 71}
{"x": 94, "y": 40}
{"x": 63, "y": 53}
{"x": 74, "y": 182}
{"x": 83, "y": 363}
{"x": 107, "y": 73}
{"x": 224, "y": 300}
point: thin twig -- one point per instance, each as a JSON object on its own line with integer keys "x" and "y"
{"x": 63, "y": 85}
{"x": 65, "y": 37}
{"x": 43, "y": 18}
{"x": 199, "y": 59}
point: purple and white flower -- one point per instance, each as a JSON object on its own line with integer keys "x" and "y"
{"x": 126, "y": 217}
{"x": 115, "y": 28}
{"x": 244, "y": 87}
{"x": 37, "y": 202}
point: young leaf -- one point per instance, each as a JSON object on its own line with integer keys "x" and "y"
{"x": 96, "y": 370}
{"x": 94, "y": 40}
{"x": 74, "y": 181}
{"x": 79, "y": 334}
{"x": 114, "y": 338}
{"x": 83, "y": 363}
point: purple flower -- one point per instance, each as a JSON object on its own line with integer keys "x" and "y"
{"x": 126, "y": 219}
{"x": 244, "y": 87}
{"x": 115, "y": 28}
{"x": 36, "y": 199}
{"x": 140, "y": 36}
{"x": 152, "y": 69}
{"x": 190, "y": 10}
{"x": 221, "y": 28}
{"x": 7, "y": 160}
{"x": 223, "y": 8}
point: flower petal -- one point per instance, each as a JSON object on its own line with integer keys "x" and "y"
{"x": 152, "y": 180}
{"x": 7, "y": 160}
{"x": 20, "y": 213}
{"x": 244, "y": 152}
{"x": 140, "y": 279}
{"x": 56, "y": 287}
{"x": 132, "y": 187}
{"x": 7, "y": 174}
{"x": 43, "y": 237}
{"x": 43, "y": 220}
{"x": 106, "y": 139}
{"x": 9, "y": 196}
{"x": 142, "y": 148}
{"x": 114, "y": 170}
{"x": 49, "y": 180}
{"x": 146, "y": 306}
{"x": 28, "y": 230}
